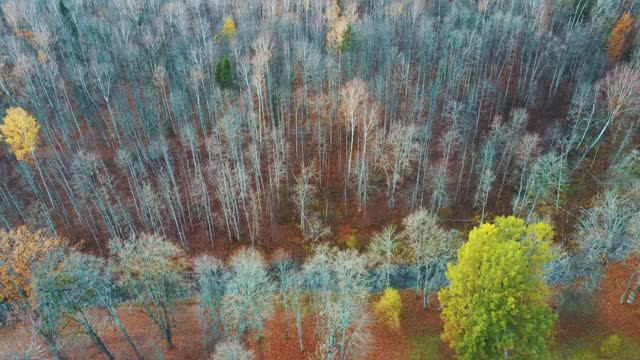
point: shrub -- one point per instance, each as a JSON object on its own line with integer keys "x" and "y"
{"x": 389, "y": 306}
{"x": 610, "y": 347}
{"x": 583, "y": 355}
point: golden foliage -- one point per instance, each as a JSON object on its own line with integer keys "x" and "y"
{"x": 389, "y": 307}
{"x": 228, "y": 32}
{"x": 497, "y": 298}
{"x": 20, "y": 130}
{"x": 20, "y": 248}
{"x": 616, "y": 44}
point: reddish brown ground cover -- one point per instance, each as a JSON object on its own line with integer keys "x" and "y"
{"x": 623, "y": 318}
{"x": 607, "y": 314}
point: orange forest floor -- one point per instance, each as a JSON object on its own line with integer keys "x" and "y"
{"x": 606, "y": 316}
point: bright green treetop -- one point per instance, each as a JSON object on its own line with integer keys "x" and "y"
{"x": 496, "y": 304}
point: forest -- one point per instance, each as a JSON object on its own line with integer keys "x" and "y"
{"x": 319, "y": 179}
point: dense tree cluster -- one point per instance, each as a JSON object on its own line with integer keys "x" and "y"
{"x": 200, "y": 117}
{"x": 148, "y": 132}
{"x": 331, "y": 288}
{"x": 510, "y": 265}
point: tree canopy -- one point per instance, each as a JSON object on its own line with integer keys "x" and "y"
{"x": 497, "y": 302}
{"x": 617, "y": 41}
{"x": 20, "y": 249}
{"x": 20, "y": 130}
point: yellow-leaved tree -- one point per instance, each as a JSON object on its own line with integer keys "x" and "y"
{"x": 20, "y": 248}
{"x": 389, "y": 307}
{"x": 20, "y": 130}
{"x": 496, "y": 305}
{"x": 617, "y": 42}
{"x": 228, "y": 31}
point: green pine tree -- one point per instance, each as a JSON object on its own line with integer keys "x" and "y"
{"x": 224, "y": 73}
{"x": 350, "y": 41}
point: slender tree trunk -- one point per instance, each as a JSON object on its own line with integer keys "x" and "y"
{"x": 94, "y": 337}
{"x": 629, "y": 294}
{"x": 116, "y": 319}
